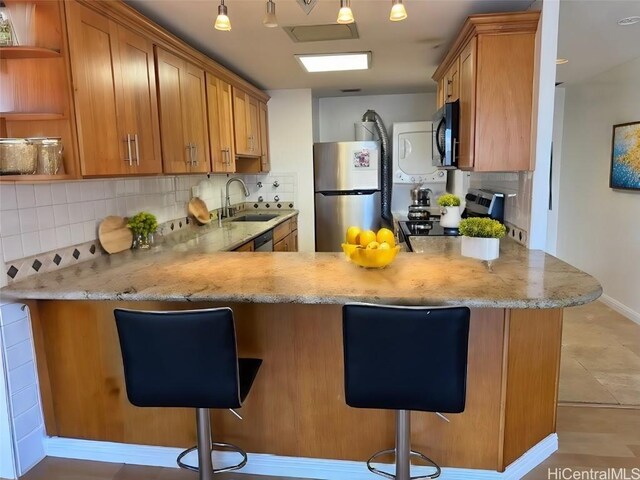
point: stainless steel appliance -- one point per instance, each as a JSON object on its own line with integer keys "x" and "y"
{"x": 422, "y": 228}
{"x": 482, "y": 202}
{"x": 264, "y": 243}
{"x": 445, "y": 135}
{"x": 346, "y": 178}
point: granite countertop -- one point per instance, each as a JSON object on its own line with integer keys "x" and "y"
{"x": 196, "y": 270}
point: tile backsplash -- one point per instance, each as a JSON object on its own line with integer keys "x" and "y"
{"x": 51, "y": 216}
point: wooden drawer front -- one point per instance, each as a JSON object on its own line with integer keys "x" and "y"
{"x": 281, "y": 231}
{"x": 281, "y": 246}
{"x": 247, "y": 247}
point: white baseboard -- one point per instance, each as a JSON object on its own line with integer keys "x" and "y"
{"x": 621, "y": 308}
{"x": 263, "y": 464}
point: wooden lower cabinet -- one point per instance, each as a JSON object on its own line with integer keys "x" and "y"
{"x": 247, "y": 247}
{"x": 296, "y": 406}
{"x": 285, "y": 236}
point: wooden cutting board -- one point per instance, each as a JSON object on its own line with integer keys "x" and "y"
{"x": 199, "y": 210}
{"x": 114, "y": 235}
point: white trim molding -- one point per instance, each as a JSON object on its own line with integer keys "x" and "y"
{"x": 621, "y": 308}
{"x": 263, "y": 464}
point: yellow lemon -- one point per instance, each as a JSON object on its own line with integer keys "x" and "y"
{"x": 352, "y": 235}
{"x": 384, "y": 246}
{"x": 386, "y": 235}
{"x": 366, "y": 237}
{"x": 373, "y": 246}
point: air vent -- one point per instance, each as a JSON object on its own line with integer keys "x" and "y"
{"x": 322, "y": 33}
{"x": 351, "y": 90}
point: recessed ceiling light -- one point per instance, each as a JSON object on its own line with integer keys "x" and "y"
{"x": 335, "y": 62}
{"x": 624, "y": 22}
{"x": 561, "y": 61}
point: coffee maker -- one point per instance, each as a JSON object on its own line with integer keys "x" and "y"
{"x": 420, "y": 203}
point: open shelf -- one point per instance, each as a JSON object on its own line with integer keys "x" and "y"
{"x": 27, "y": 52}
{"x": 35, "y": 178}
{"x": 18, "y": 116}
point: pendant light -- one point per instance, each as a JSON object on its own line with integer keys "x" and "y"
{"x": 270, "y": 19}
{"x": 345, "y": 15}
{"x": 398, "y": 12}
{"x": 222, "y": 21}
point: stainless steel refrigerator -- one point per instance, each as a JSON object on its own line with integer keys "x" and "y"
{"x": 346, "y": 177}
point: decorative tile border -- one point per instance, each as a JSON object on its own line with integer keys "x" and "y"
{"x": 61, "y": 258}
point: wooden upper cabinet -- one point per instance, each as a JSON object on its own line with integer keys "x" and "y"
{"x": 467, "y": 90}
{"x": 115, "y": 97}
{"x": 183, "y": 115}
{"x": 220, "y": 111}
{"x": 265, "y": 159}
{"x": 140, "y": 100}
{"x": 246, "y": 122}
{"x": 492, "y": 64}
{"x": 452, "y": 82}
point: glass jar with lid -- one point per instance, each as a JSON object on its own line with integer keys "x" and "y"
{"x": 49, "y": 155}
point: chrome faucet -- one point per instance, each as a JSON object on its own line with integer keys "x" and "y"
{"x": 227, "y": 202}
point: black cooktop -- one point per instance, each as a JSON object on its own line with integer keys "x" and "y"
{"x": 422, "y": 228}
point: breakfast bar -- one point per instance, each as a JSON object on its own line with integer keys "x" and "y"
{"x": 287, "y": 308}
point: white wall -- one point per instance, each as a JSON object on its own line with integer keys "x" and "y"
{"x": 598, "y": 229}
{"x": 338, "y": 114}
{"x": 552, "y": 215}
{"x": 291, "y": 143}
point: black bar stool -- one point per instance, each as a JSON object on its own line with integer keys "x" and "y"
{"x": 186, "y": 359}
{"x": 404, "y": 359}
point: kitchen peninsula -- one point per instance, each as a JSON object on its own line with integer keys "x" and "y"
{"x": 288, "y": 311}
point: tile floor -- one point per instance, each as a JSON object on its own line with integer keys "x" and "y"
{"x": 600, "y": 357}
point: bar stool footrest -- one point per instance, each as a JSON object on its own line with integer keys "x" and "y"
{"x": 217, "y": 445}
{"x": 413, "y": 453}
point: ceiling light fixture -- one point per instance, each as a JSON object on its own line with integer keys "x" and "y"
{"x": 270, "y": 19}
{"x": 625, "y": 22}
{"x": 222, "y": 21}
{"x": 561, "y": 61}
{"x": 398, "y": 12}
{"x": 335, "y": 62}
{"x": 345, "y": 15}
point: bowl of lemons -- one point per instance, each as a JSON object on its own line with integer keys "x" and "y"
{"x": 369, "y": 249}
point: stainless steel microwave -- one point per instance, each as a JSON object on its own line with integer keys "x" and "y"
{"x": 445, "y": 135}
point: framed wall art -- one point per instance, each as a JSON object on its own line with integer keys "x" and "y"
{"x": 625, "y": 157}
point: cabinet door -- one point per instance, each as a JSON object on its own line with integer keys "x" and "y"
{"x": 253, "y": 127}
{"x": 194, "y": 117}
{"x": 175, "y": 154}
{"x": 139, "y": 101}
{"x": 247, "y": 247}
{"x": 466, "y": 147}
{"x": 265, "y": 160}
{"x": 452, "y": 86}
{"x": 220, "y": 112}
{"x": 104, "y": 149}
{"x": 280, "y": 246}
{"x": 241, "y": 122}
{"x": 440, "y": 93}
{"x": 294, "y": 241}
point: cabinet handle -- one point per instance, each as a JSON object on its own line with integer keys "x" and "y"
{"x": 129, "y": 158}
{"x": 190, "y": 148}
{"x": 135, "y": 138}
{"x": 194, "y": 162}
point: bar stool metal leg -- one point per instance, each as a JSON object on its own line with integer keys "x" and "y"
{"x": 205, "y": 465}
{"x": 403, "y": 445}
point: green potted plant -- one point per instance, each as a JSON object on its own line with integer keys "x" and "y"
{"x": 143, "y": 225}
{"x": 481, "y": 237}
{"x": 449, "y": 210}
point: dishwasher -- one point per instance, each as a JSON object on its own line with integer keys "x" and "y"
{"x": 264, "y": 243}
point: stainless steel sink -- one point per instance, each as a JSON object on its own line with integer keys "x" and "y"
{"x": 256, "y": 217}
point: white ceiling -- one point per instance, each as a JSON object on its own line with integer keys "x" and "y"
{"x": 590, "y": 38}
{"x": 405, "y": 54}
